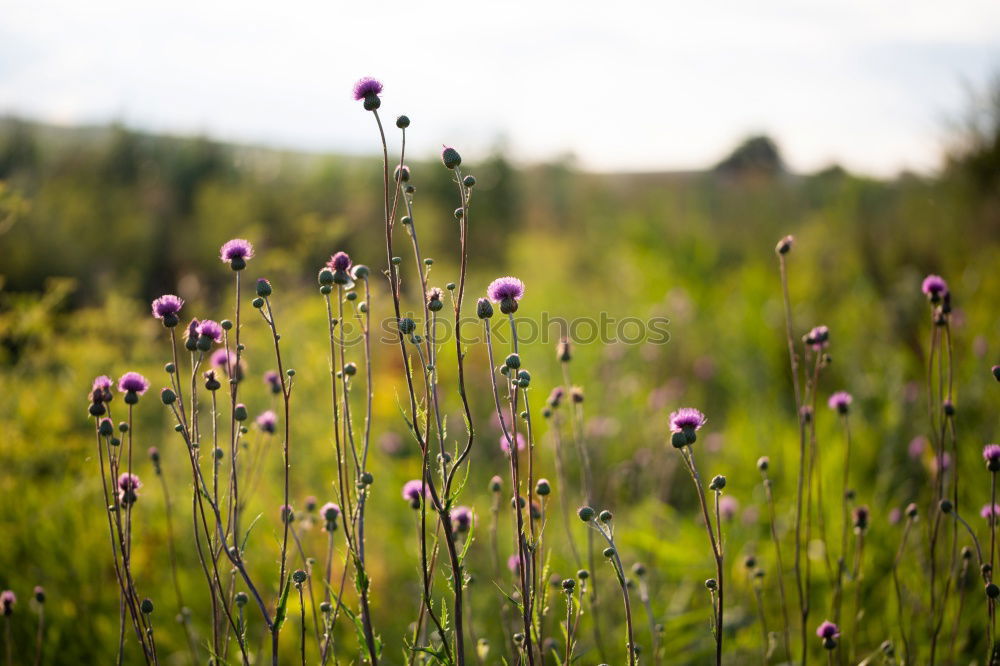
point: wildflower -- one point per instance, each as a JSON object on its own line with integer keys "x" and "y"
{"x": 462, "y": 515}
{"x": 728, "y": 507}
{"x": 102, "y": 388}
{"x": 132, "y": 384}
{"x": 236, "y": 253}
{"x": 267, "y": 421}
{"x": 505, "y": 446}
{"x": 514, "y": 563}
{"x": 340, "y": 263}
{"x": 990, "y": 512}
{"x": 272, "y": 379}
{"x": 784, "y": 245}
{"x": 911, "y": 510}
{"x": 917, "y": 446}
{"x": 934, "y": 287}
{"x": 368, "y": 89}
{"x": 555, "y": 398}
{"x": 191, "y": 336}
{"x": 991, "y": 454}
{"x": 829, "y": 632}
{"x": 450, "y": 157}
{"x": 840, "y": 401}
{"x": 209, "y": 332}
{"x": 818, "y": 338}
{"x": 226, "y": 359}
{"x": 576, "y": 394}
{"x": 860, "y": 516}
{"x": 684, "y": 423}
{"x": 287, "y": 513}
{"x": 412, "y": 491}
{"x": 434, "y": 302}
{"x": 39, "y": 593}
{"x": 496, "y": 483}
{"x": 563, "y": 350}
{"x": 7, "y": 601}
{"x": 506, "y": 291}
{"x": 330, "y": 513}
{"x": 128, "y": 488}
{"x": 211, "y": 383}
{"x": 167, "y": 307}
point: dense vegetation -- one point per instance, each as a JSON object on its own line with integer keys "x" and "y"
{"x": 96, "y": 223}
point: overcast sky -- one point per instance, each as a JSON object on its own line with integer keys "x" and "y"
{"x": 620, "y": 84}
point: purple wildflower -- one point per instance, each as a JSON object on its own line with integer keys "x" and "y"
{"x": 367, "y": 87}
{"x": 272, "y": 379}
{"x": 895, "y": 515}
{"x": 128, "y": 488}
{"x": 934, "y": 287}
{"x": 340, "y": 261}
{"x": 434, "y": 302}
{"x": 818, "y": 338}
{"x": 685, "y": 418}
{"x": 236, "y": 253}
{"x": 167, "y": 307}
{"x": 7, "y": 601}
{"x": 133, "y": 382}
{"x": 412, "y": 491}
{"x": 506, "y": 291}
{"x": 505, "y": 447}
{"x": 102, "y": 389}
{"x": 311, "y": 503}
{"x": 917, "y": 446}
{"x": 268, "y": 421}
{"x": 827, "y": 630}
{"x": 555, "y": 398}
{"x": 225, "y": 359}
{"x": 989, "y": 512}
{"x": 728, "y": 506}
{"x": 514, "y": 563}
{"x": 462, "y": 515}
{"x": 330, "y": 512}
{"x": 39, "y": 593}
{"x": 991, "y": 454}
{"x": 840, "y": 401}
{"x": 210, "y": 329}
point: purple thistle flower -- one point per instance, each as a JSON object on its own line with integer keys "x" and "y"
{"x": 102, "y": 388}
{"x": 225, "y": 359}
{"x": 367, "y": 87}
{"x": 128, "y": 488}
{"x": 268, "y": 421}
{"x": 728, "y": 506}
{"x": 506, "y": 291}
{"x": 555, "y": 398}
{"x": 167, "y": 306}
{"x": 818, "y": 338}
{"x": 827, "y": 630}
{"x": 514, "y": 563}
{"x": 989, "y": 512}
{"x": 340, "y": 261}
{"x": 412, "y": 490}
{"x": 895, "y": 515}
{"x": 505, "y": 447}
{"x": 934, "y": 287}
{"x": 210, "y": 329}
{"x": 330, "y": 512}
{"x": 840, "y": 401}
{"x": 133, "y": 382}
{"x": 917, "y": 446}
{"x": 7, "y": 601}
{"x": 686, "y": 417}
{"x": 236, "y": 253}
{"x": 991, "y": 454}
{"x": 462, "y": 515}
{"x": 272, "y": 379}
{"x": 311, "y": 503}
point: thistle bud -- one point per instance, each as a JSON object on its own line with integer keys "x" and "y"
{"x": 585, "y": 513}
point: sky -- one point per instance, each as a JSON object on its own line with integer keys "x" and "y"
{"x": 629, "y": 85}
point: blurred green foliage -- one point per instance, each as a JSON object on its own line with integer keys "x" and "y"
{"x": 95, "y": 223}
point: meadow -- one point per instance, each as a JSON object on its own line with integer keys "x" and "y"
{"x": 636, "y": 296}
